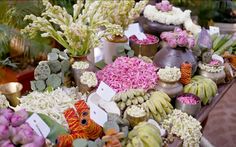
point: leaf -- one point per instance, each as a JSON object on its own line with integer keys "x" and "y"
{"x": 55, "y": 128}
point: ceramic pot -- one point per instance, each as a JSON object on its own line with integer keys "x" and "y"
{"x": 155, "y": 28}
{"x": 168, "y": 56}
{"x": 172, "y": 89}
{"x": 110, "y": 45}
{"x": 217, "y": 77}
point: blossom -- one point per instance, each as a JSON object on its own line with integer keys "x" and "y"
{"x": 164, "y": 6}
{"x": 178, "y": 38}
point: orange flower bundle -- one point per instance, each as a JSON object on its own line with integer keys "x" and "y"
{"x": 80, "y": 125}
{"x": 186, "y": 73}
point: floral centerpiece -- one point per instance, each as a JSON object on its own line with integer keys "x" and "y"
{"x": 178, "y": 38}
{"x": 79, "y": 32}
{"x": 168, "y": 16}
{"x": 177, "y": 50}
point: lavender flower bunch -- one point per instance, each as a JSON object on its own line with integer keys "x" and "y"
{"x": 178, "y": 38}
{"x": 164, "y": 6}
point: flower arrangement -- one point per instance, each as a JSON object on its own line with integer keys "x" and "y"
{"x": 184, "y": 126}
{"x": 128, "y": 73}
{"x": 151, "y": 39}
{"x": 89, "y": 79}
{"x": 170, "y": 74}
{"x": 164, "y": 6}
{"x": 165, "y": 13}
{"x": 178, "y": 38}
{"x": 214, "y": 66}
{"x": 123, "y": 12}
{"x": 189, "y": 99}
{"x": 79, "y": 32}
{"x": 80, "y": 65}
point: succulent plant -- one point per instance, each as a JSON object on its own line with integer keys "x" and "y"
{"x": 42, "y": 71}
{"x": 52, "y": 56}
{"x": 55, "y": 66}
{"x": 40, "y": 85}
{"x": 65, "y": 65}
{"x": 54, "y": 81}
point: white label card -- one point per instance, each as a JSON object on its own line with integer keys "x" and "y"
{"x": 214, "y": 30}
{"x": 97, "y": 114}
{"x": 132, "y": 29}
{"x": 105, "y": 92}
{"x": 141, "y": 36}
{"x": 38, "y": 125}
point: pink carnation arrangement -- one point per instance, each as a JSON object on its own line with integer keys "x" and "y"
{"x": 126, "y": 73}
{"x": 151, "y": 39}
{"x": 189, "y": 99}
{"x": 178, "y": 38}
{"x": 164, "y": 6}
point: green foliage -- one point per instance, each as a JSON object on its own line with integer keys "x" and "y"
{"x": 55, "y": 128}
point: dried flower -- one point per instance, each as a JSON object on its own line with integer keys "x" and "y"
{"x": 3, "y": 101}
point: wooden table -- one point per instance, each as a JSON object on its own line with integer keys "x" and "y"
{"x": 204, "y": 112}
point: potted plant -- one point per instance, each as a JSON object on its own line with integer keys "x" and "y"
{"x": 78, "y": 33}
{"x": 123, "y": 13}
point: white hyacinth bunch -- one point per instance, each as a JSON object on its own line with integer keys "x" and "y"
{"x": 80, "y": 65}
{"x": 89, "y": 78}
{"x": 79, "y": 32}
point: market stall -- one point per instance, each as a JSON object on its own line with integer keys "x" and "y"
{"x": 156, "y": 85}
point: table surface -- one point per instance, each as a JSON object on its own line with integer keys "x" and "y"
{"x": 204, "y": 112}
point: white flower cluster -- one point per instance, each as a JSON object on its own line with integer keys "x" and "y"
{"x": 176, "y": 17}
{"x": 77, "y": 32}
{"x": 212, "y": 69}
{"x": 89, "y": 78}
{"x": 170, "y": 74}
{"x": 52, "y": 104}
{"x": 80, "y": 65}
{"x": 135, "y": 111}
{"x": 184, "y": 126}
{"x": 3, "y": 102}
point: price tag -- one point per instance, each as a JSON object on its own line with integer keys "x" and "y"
{"x": 214, "y": 30}
{"x": 141, "y": 36}
{"x": 38, "y": 125}
{"x": 97, "y": 114}
{"x": 105, "y": 92}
